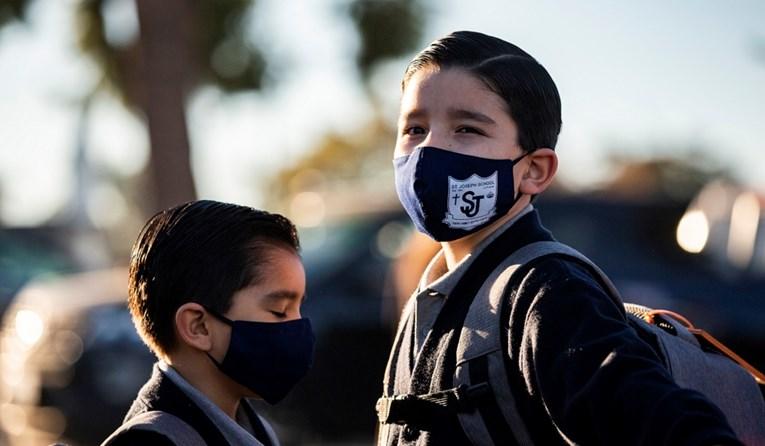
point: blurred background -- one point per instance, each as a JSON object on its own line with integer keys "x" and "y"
{"x": 111, "y": 110}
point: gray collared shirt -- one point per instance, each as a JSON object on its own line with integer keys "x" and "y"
{"x": 237, "y": 433}
{"x": 438, "y": 281}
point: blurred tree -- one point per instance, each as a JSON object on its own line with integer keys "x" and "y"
{"x": 345, "y": 167}
{"x": 386, "y": 30}
{"x": 174, "y": 47}
{"x": 675, "y": 179}
{"x": 12, "y": 10}
{"x": 181, "y": 44}
{"x": 178, "y": 45}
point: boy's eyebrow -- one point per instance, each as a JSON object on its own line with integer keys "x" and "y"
{"x": 461, "y": 113}
{"x": 413, "y": 114}
{"x": 285, "y": 294}
{"x": 454, "y": 113}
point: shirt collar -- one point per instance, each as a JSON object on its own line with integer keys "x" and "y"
{"x": 234, "y": 433}
{"x": 438, "y": 279}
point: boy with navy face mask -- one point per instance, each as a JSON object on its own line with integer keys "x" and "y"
{"x": 492, "y": 348}
{"x": 215, "y": 291}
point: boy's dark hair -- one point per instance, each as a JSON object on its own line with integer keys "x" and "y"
{"x": 528, "y": 90}
{"x": 201, "y": 251}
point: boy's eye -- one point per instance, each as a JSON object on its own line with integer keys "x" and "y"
{"x": 414, "y": 130}
{"x": 469, "y": 130}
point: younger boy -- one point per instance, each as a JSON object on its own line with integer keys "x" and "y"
{"x": 215, "y": 291}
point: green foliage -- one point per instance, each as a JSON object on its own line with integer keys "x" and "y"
{"x": 92, "y": 40}
{"x": 337, "y": 160}
{"x": 387, "y": 29}
{"x": 13, "y": 10}
{"x": 232, "y": 60}
{"x": 223, "y": 54}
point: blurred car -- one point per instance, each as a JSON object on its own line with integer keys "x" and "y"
{"x": 27, "y": 253}
{"x": 726, "y": 223}
{"x": 639, "y": 245}
{"x": 71, "y": 361}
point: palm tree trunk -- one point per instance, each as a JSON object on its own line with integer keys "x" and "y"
{"x": 167, "y": 71}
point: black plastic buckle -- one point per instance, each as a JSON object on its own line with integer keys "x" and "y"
{"x": 390, "y": 410}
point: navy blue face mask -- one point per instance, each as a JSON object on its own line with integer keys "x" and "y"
{"x": 449, "y": 195}
{"x": 268, "y": 358}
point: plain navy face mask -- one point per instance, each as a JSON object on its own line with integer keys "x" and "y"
{"x": 268, "y": 358}
{"x": 449, "y": 195}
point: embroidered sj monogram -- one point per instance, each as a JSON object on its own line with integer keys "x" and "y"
{"x": 472, "y": 202}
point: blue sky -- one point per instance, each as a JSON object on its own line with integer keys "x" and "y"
{"x": 643, "y": 76}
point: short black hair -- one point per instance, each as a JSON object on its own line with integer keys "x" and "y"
{"x": 529, "y": 92}
{"x": 202, "y": 251}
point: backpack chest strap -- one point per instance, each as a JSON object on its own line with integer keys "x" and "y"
{"x": 425, "y": 410}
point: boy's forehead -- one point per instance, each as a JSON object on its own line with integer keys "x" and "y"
{"x": 446, "y": 89}
{"x": 421, "y": 82}
{"x": 434, "y": 78}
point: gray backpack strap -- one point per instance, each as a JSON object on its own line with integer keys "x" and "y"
{"x": 540, "y": 249}
{"x": 480, "y": 351}
{"x": 167, "y": 424}
{"x": 403, "y": 325}
{"x": 396, "y": 361}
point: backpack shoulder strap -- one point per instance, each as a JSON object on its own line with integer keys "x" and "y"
{"x": 396, "y": 362}
{"x": 167, "y": 424}
{"x": 479, "y": 330}
{"x": 481, "y": 355}
{"x": 403, "y": 326}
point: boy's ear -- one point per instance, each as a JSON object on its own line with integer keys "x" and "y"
{"x": 192, "y": 325}
{"x": 539, "y": 171}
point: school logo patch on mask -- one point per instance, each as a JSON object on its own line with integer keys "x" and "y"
{"x": 472, "y": 202}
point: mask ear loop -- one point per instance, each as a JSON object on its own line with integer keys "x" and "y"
{"x": 219, "y": 316}
{"x": 516, "y": 161}
{"x": 223, "y": 319}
